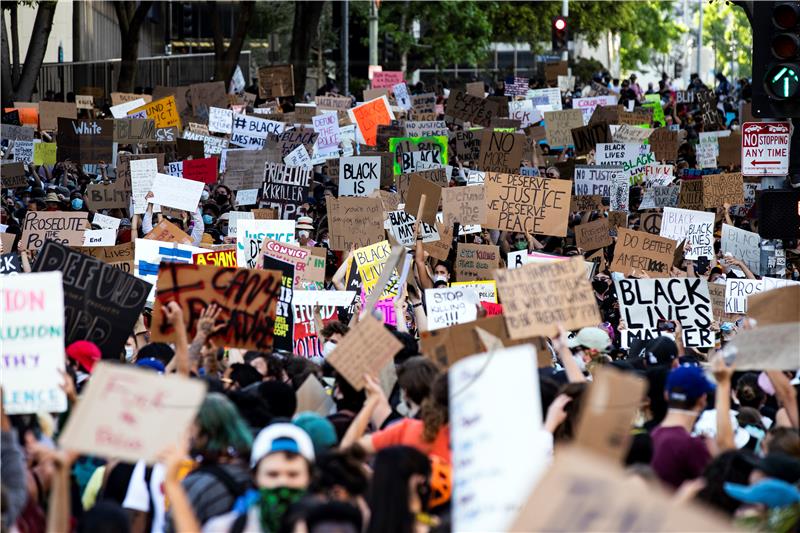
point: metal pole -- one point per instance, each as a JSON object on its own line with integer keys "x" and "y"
{"x": 565, "y": 13}
{"x": 373, "y": 33}
{"x": 346, "y": 47}
{"x": 700, "y": 39}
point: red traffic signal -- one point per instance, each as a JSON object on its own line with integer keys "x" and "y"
{"x": 559, "y": 33}
{"x": 560, "y": 23}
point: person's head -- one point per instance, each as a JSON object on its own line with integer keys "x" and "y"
{"x": 219, "y": 430}
{"x": 282, "y": 456}
{"x": 601, "y": 283}
{"x": 748, "y": 392}
{"x": 304, "y": 227}
{"x": 399, "y": 489}
{"x": 332, "y": 332}
{"x": 222, "y": 195}
{"x": 566, "y": 430}
{"x": 279, "y": 396}
{"x": 442, "y": 274}
{"x": 240, "y": 375}
{"x": 728, "y": 467}
{"x": 777, "y": 466}
{"x": 784, "y": 440}
{"x": 519, "y": 241}
{"x": 414, "y": 377}
{"x": 436, "y": 408}
{"x": 340, "y": 475}
{"x": 299, "y": 368}
{"x": 257, "y": 360}
{"x": 687, "y": 389}
{"x": 319, "y": 428}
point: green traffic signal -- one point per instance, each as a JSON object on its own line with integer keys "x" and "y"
{"x": 783, "y": 81}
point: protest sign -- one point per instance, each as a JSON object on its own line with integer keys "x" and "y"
{"x": 65, "y": 227}
{"x": 365, "y": 349}
{"x": 285, "y": 188}
{"x": 486, "y": 289}
{"x": 299, "y": 157}
{"x": 275, "y": 81}
{"x": 717, "y": 293}
{"x": 538, "y": 297}
{"x": 50, "y": 112}
{"x": 246, "y": 197}
{"x": 730, "y": 154}
{"x": 354, "y": 221}
{"x": 327, "y": 127}
{"x": 691, "y": 195}
{"x": 101, "y": 302}
{"x": 308, "y": 268}
{"x": 719, "y": 189}
{"x": 501, "y": 151}
{"x": 142, "y": 174}
{"x": 370, "y": 262}
{"x": 386, "y": 79}
{"x": 32, "y": 346}
{"x": 149, "y": 254}
{"x": 617, "y": 219}
{"x": 631, "y": 134}
{"x": 643, "y": 302}
{"x": 202, "y": 170}
{"x": 177, "y": 193}
{"x": 588, "y": 105}
{"x": 418, "y": 188}
{"x": 424, "y": 103}
{"x": 368, "y": 116}
{"x": 250, "y": 234}
{"x": 594, "y": 180}
{"x": 548, "y": 99}
{"x": 249, "y": 316}
{"x": 527, "y": 204}
{"x": 120, "y": 110}
{"x": 664, "y": 144}
{"x": 573, "y": 496}
{"x": 619, "y": 190}
{"x": 743, "y": 245}
{"x": 476, "y": 261}
{"x": 166, "y": 231}
{"x": 219, "y": 120}
{"x": 99, "y": 237}
{"x": 44, "y": 153}
{"x": 559, "y": 126}
{"x": 119, "y": 256}
{"x": 359, "y": 175}
{"x": 636, "y": 168}
{"x": 650, "y": 222}
{"x": 134, "y": 130}
{"x": 593, "y": 235}
{"x": 498, "y": 462}
{"x": 85, "y": 141}
{"x": 451, "y": 305}
{"x": 465, "y": 205}
{"x": 587, "y": 202}
{"x": 12, "y": 175}
{"x": 222, "y": 258}
{"x": 426, "y": 128}
{"x": 660, "y": 197}
{"x": 250, "y": 131}
{"x": 474, "y": 109}
{"x": 132, "y": 414}
{"x": 10, "y": 263}
{"x": 658, "y": 175}
{"x": 312, "y": 396}
{"x": 772, "y": 347}
{"x": 283, "y": 326}
{"x": 164, "y": 112}
{"x": 24, "y": 151}
{"x": 401, "y": 226}
{"x": 615, "y": 154}
{"x": 525, "y": 112}
{"x": 408, "y": 152}
{"x": 642, "y": 252}
{"x": 737, "y": 292}
{"x": 696, "y": 227}
{"x": 586, "y": 138}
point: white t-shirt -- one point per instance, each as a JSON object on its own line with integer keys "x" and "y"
{"x": 137, "y": 497}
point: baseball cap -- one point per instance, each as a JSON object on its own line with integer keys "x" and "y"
{"x": 85, "y": 353}
{"x": 281, "y": 437}
{"x": 777, "y": 465}
{"x": 770, "y": 492}
{"x": 687, "y": 383}
{"x": 592, "y": 337}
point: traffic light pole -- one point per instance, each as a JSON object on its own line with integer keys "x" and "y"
{"x": 373, "y": 33}
{"x": 565, "y": 13}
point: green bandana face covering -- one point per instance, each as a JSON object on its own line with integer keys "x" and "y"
{"x": 274, "y": 503}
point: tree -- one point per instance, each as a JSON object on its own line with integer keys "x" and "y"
{"x": 19, "y": 85}
{"x": 727, "y": 30}
{"x": 130, "y": 18}
{"x": 225, "y": 60}
{"x": 307, "y": 15}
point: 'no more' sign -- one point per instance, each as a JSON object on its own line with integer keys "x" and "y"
{"x": 765, "y": 148}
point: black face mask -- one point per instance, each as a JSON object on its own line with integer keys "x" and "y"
{"x": 600, "y": 285}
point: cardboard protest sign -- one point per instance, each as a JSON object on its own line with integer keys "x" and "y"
{"x": 664, "y": 144}
{"x": 527, "y": 204}
{"x": 7, "y": 241}
{"x": 730, "y": 150}
{"x": 501, "y": 151}
{"x": 559, "y": 126}
{"x": 588, "y": 106}
{"x": 719, "y": 189}
{"x": 132, "y": 414}
{"x": 135, "y": 131}
{"x": 588, "y": 202}
{"x": 101, "y": 302}
{"x": 538, "y": 297}
{"x": 65, "y": 227}
{"x": 370, "y": 262}
{"x": 593, "y": 235}
{"x": 696, "y": 227}
{"x": 476, "y": 261}
{"x": 737, "y": 292}
{"x": 594, "y": 180}
{"x": 450, "y": 305}
{"x": 573, "y": 496}
{"x": 772, "y": 347}
{"x": 24, "y": 151}
{"x": 164, "y": 112}
{"x": 166, "y": 231}
{"x": 85, "y": 141}
{"x": 177, "y": 193}
{"x": 368, "y": 116}
{"x": 12, "y": 175}
{"x": 631, "y": 134}
{"x": 717, "y": 293}
{"x": 365, "y": 349}
{"x": 585, "y": 138}
{"x": 650, "y": 222}
{"x": 249, "y": 316}
{"x": 686, "y": 300}
{"x": 275, "y": 81}
{"x": 44, "y": 153}
{"x": 419, "y": 187}
{"x": 32, "y": 343}
{"x": 498, "y": 462}
{"x": 642, "y": 252}
{"x": 311, "y": 396}
{"x": 743, "y": 245}
{"x": 474, "y": 109}
{"x": 465, "y": 205}
{"x": 250, "y": 235}
{"x": 691, "y": 195}
{"x": 359, "y": 175}
{"x": 119, "y": 256}
{"x": 778, "y": 306}
{"x": 354, "y": 221}
{"x": 50, "y": 112}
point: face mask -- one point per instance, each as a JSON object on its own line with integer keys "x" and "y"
{"x": 406, "y": 408}
{"x": 273, "y": 504}
{"x": 600, "y": 285}
{"x": 77, "y": 203}
{"x": 521, "y": 245}
{"x": 439, "y": 278}
{"x": 208, "y": 219}
{"x": 721, "y": 279}
{"x": 326, "y": 242}
{"x": 795, "y": 274}
{"x": 129, "y": 353}
{"x": 303, "y": 234}
{"x": 478, "y": 240}
{"x": 204, "y": 195}
{"x": 328, "y": 347}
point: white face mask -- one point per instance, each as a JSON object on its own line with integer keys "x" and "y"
{"x": 128, "y": 353}
{"x": 405, "y": 407}
{"x": 328, "y": 347}
{"x": 440, "y": 278}
{"x": 303, "y": 234}
{"x": 204, "y": 195}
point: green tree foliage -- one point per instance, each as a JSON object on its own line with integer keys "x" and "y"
{"x": 723, "y": 26}
{"x": 650, "y": 28}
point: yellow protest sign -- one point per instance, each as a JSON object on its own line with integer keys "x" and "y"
{"x": 164, "y": 112}
{"x": 44, "y": 154}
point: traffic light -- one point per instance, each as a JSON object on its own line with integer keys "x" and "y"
{"x": 776, "y": 60}
{"x": 388, "y": 49}
{"x": 560, "y": 36}
{"x": 188, "y": 20}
